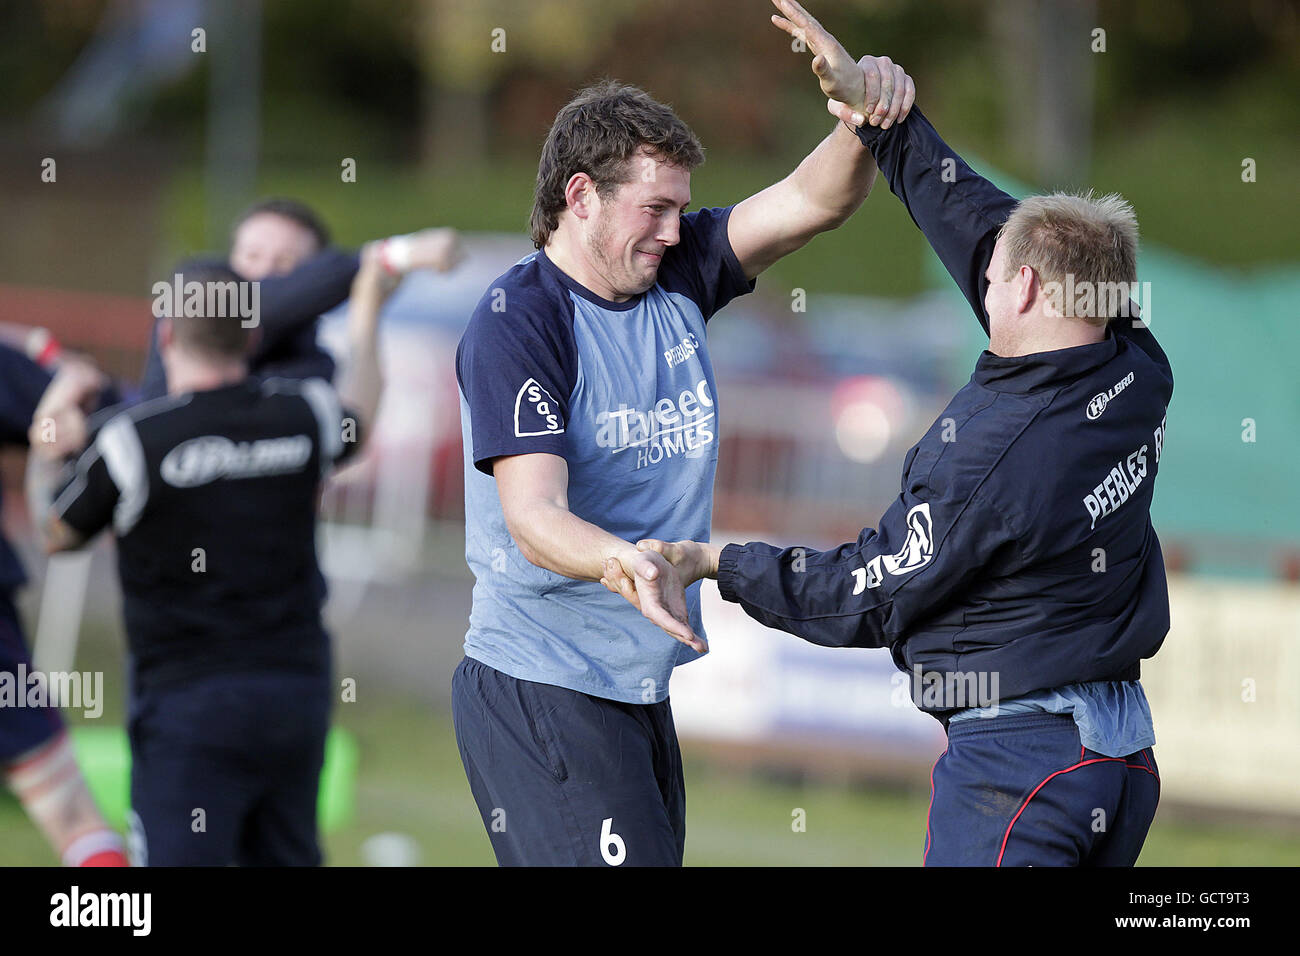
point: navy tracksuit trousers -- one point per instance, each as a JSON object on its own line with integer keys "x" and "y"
{"x": 1023, "y": 791}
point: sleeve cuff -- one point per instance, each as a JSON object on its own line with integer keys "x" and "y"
{"x": 727, "y": 561}
{"x": 485, "y": 457}
{"x": 867, "y": 135}
{"x": 742, "y": 285}
{"x": 870, "y": 135}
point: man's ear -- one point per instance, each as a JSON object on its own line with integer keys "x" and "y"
{"x": 166, "y": 333}
{"x": 579, "y": 195}
{"x": 254, "y": 341}
{"x": 1026, "y": 289}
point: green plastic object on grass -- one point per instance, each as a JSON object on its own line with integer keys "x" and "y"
{"x": 105, "y": 758}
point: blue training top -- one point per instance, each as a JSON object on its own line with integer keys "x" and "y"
{"x": 1113, "y": 717}
{"x": 624, "y": 392}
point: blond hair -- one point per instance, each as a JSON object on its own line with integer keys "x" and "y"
{"x": 1075, "y": 241}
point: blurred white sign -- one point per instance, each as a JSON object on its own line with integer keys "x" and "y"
{"x": 762, "y": 686}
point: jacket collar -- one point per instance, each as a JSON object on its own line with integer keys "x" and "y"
{"x": 1028, "y": 373}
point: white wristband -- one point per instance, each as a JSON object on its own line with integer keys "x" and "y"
{"x": 397, "y": 253}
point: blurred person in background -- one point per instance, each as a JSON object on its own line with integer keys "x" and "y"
{"x": 284, "y": 246}
{"x": 211, "y": 492}
{"x": 588, "y": 412}
{"x": 36, "y": 755}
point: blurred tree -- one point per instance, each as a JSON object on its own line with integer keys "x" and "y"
{"x": 468, "y": 47}
{"x": 1045, "y": 52}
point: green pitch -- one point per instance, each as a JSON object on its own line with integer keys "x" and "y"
{"x": 409, "y": 781}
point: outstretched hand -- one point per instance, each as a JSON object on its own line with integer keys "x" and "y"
{"x": 873, "y": 90}
{"x": 439, "y": 249}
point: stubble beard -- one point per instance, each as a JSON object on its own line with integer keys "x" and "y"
{"x": 615, "y": 272}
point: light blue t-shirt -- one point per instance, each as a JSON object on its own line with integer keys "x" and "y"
{"x": 624, "y": 392}
{"x": 1112, "y": 716}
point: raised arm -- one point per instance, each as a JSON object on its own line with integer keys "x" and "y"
{"x": 292, "y": 301}
{"x": 289, "y": 302}
{"x": 959, "y": 211}
{"x": 362, "y": 382}
{"x": 832, "y": 182}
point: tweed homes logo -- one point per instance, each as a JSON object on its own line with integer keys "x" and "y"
{"x": 680, "y": 427}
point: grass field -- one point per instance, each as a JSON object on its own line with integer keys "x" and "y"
{"x": 410, "y": 782}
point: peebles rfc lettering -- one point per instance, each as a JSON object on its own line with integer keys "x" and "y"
{"x": 682, "y": 351}
{"x": 1122, "y": 481}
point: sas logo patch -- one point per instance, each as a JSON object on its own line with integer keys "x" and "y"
{"x": 536, "y": 412}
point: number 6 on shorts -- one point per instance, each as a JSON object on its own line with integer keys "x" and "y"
{"x": 610, "y": 839}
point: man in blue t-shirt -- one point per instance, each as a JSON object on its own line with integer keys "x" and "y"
{"x": 590, "y": 419}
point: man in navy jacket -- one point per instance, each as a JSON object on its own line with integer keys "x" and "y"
{"x": 1017, "y": 577}
{"x": 282, "y": 245}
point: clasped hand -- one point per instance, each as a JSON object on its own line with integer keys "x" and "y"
{"x": 875, "y": 90}
{"x": 654, "y": 576}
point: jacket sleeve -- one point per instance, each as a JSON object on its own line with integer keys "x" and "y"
{"x": 958, "y": 210}
{"x": 873, "y": 591}
{"x": 291, "y": 302}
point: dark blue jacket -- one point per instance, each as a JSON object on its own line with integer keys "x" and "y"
{"x": 1021, "y": 542}
{"x": 289, "y": 305}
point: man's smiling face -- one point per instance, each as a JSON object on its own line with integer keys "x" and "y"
{"x": 636, "y": 225}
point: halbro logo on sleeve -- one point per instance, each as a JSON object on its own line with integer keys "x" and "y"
{"x": 536, "y": 412}
{"x": 916, "y": 552}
